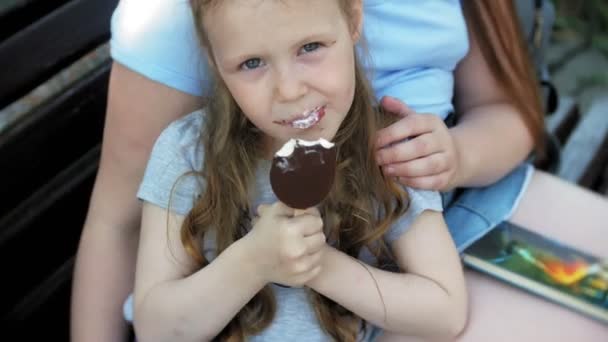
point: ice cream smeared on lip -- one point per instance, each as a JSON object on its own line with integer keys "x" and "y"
{"x": 306, "y": 119}
{"x": 302, "y": 172}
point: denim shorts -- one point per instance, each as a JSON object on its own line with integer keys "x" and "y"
{"x": 470, "y": 213}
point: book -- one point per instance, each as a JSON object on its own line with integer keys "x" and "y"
{"x": 543, "y": 266}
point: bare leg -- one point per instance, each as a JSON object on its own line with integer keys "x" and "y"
{"x": 499, "y": 312}
{"x": 566, "y": 212}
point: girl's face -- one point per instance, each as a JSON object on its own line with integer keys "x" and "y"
{"x": 289, "y": 64}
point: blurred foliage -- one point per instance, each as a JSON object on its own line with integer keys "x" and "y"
{"x": 586, "y": 20}
{"x": 599, "y": 79}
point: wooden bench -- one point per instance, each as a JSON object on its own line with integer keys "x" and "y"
{"x": 585, "y": 154}
{"x": 582, "y": 140}
{"x": 49, "y": 152}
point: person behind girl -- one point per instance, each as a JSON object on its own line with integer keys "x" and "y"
{"x": 218, "y": 270}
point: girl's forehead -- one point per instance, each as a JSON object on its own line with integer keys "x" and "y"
{"x": 239, "y": 23}
{"x": 269, "y": 14}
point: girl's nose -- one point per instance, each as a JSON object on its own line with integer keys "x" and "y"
{"x": 289, "y": 85}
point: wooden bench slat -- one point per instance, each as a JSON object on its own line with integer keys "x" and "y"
{"x": 46, "y": 310}
{"x": 44, "y": 230}
{"x": 42, "y": 294}
{"x": 587, "y": 148}
{"x": 51, "y": 43}
{"x": 22, "y": 13}
{"x": 53, "y": 136}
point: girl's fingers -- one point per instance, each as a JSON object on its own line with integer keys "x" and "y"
{"x": 305, "y": 264}
{"x": 278, "y": 209}
{"x": 313, "y": 211}
{"x": 315, "y": 242}
{"x": 305, "y": 277}
{"x": 428, "y": 166}
{"x": 421, "y": 146}
{"x": 436, "y": 182}
{"x": 410, "y": 126}
{"x": 307, "y": 224}
{"x": 395, "y": 106}
{"x": 308, "y": 263}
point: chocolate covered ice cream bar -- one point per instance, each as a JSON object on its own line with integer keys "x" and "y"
{"x": 302, "y": 172}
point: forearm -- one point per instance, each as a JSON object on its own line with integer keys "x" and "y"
{"x": 103, "y": 278}
{"x": 198, "y": 307}
{"x": 138, "y": 110}
{"x": 410, "y": 304}
{"x": 491, "y": 140}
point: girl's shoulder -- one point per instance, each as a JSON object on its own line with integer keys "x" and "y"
{"x": 419, "y": 201}
{"x": 182, "y": 139}
{"x": 172, "y": 176}
{"x": 184, "y": 130}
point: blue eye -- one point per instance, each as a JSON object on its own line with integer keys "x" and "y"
{"x": 310, "y": 47}
{"x": 250, "y": 64}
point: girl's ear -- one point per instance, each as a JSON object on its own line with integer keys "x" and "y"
{"x": 357, "y": 20}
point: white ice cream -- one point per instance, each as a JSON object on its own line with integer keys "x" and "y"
{"x": 290, "y": 146}
{"x": 308, "y": 120}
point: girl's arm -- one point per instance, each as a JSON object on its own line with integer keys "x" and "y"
{"x": 175, "y": 302}
{"x": 138, "y": 109}
{"x": 428, "y": 300}
{"x": 491, "y": 136}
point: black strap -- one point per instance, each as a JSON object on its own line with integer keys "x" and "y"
{"x": 552, "y": 100}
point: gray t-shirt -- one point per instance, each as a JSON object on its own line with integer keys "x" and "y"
{"x": 178, "y": 151}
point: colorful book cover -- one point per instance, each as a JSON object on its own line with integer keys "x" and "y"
{"x": 558, "y": 272}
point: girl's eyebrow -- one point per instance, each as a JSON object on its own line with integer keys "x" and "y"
{"x": 241, "y": 58}
{"x": 317, "y": 36}
{"x": 226, "y": 60}
{"x": 312, "y": 38}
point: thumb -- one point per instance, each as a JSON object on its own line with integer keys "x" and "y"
{"x": 395, "y": 106}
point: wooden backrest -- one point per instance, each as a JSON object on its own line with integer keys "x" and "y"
{"x": 48, "y": 157}
{"x": 44, "y": 36}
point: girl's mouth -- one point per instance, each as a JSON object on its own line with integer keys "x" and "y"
{"x": 306, "y": 119}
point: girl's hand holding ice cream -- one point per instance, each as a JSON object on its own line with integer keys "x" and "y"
{"x": 285, "y": 249}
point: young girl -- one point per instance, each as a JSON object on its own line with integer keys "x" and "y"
{"x": 230, "y": 245}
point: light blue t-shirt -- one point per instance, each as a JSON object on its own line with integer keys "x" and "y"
{"x": 414, "y": 46}
{"x": 178, "y": 151}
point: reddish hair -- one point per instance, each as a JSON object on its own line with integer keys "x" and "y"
{"x": 498, "y": 34}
